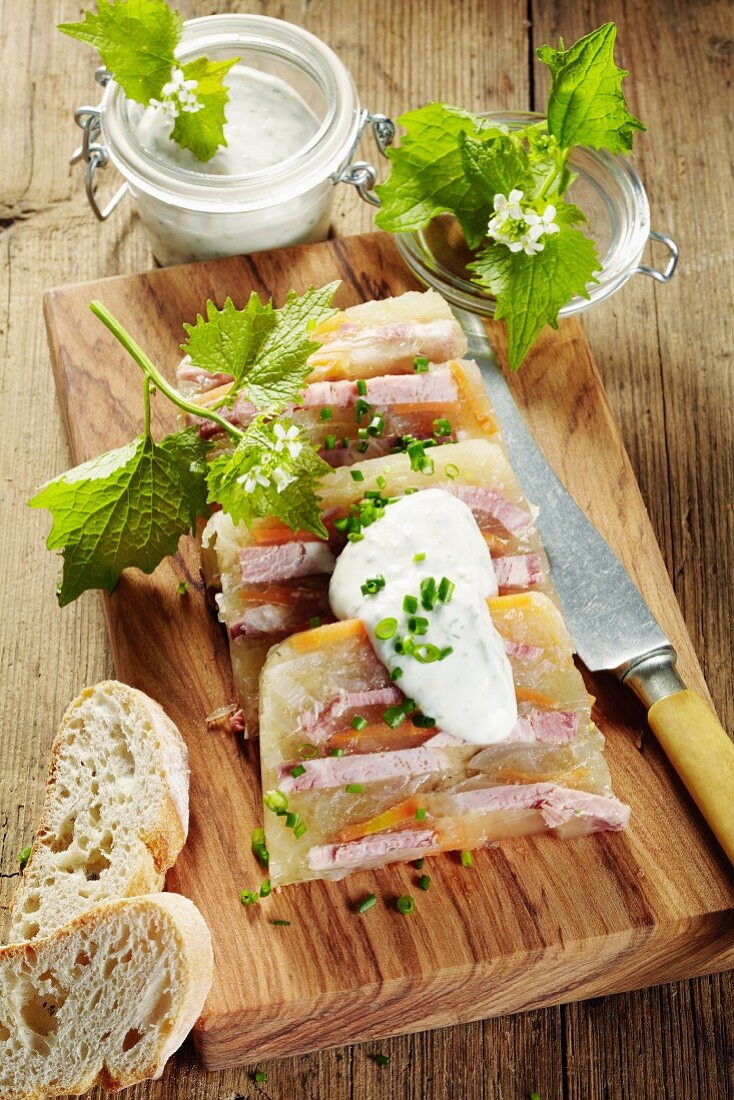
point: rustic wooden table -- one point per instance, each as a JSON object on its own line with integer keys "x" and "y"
{"x": 665, "y": 355}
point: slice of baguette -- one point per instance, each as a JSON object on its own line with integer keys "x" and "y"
{"x": 104, "y": 1000}
{"x": 116, "y": 811}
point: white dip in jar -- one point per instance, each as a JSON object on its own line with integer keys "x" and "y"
{"x": 292, "y": 119}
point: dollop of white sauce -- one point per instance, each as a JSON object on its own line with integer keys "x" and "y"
{"x": 267, "y": 122}
{"x": 470, "y": 693}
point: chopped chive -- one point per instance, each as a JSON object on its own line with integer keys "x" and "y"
{"x": 363, "y": 433}
{"x": 345, "y": 441}
{"x": 367, "y": 903}
{"x": 420, "y": 364}
{"x": 265, "y": 888}
{"x": 423, "y": 721}
{"x": 442, "y": 427}
{"x": 397, "y": 714}
{"x": 419, "y": 557}
{"x": 372, "y": 494}
{"x": 182, "y": 588}
{"x": 418, "y": 864}
{"x": 292, "y": 819}
{"x": 281, "y": 923}
{"x": 327, "y": 413}
{"x": 405, "y": 904}
{"x": 386, "y": 628}
{"x": 381, "y": 1059}
{"x": 260, "y": 1077}
{"x": 361, "y": 387}
{"x": 424, "y": 882}
{"x": 428, "y": 593}
{"x": 362, "y": 447}
{"x": 361, "y": 409}
{"x": 298, "y": 770}
{"x": 451, "y": 471}
{"x": 417, "y": 624}
{"x": 249, "y": 897}
{"x": 381, "y": 483}
{"x": 410, "y": 490}
{"x": 446, "y": 590}
{"x": 23, "y": 857}
{"x": 337, "y": 752}
{"x": 358, "y": 722}
{"x": 330, "y": 442}
{"x": 341, "y": 523}
{"x": 410, "y": 604}
{"x": 354, "y": 788}
{"x": 355, "y": 536}
{"x": 420, "y": 814}
{"x": 314, "y": 621}
{"x": 307, "y": 751}
{"x": 276, "y": 801}
{"x": 376, "y": 425}
{"x": 446, "y": 652}
{"x": 356, "y": 475}
{"x": 373, "y": 585}
{"x": 299, "y": 830}
{"x": 396, "y": 673}
{"x": 467, "y": 859}
{"x": 426, "y": 653}
{"x": 259, "y": 847}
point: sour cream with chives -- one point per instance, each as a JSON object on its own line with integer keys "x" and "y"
{"x": 459, "y": 674}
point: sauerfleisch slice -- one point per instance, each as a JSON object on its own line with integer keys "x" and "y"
{"x": 274, "y": 581}
{"x": 342, "y": 794}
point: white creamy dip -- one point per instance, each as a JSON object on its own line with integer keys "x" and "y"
{"x": 470, "y": 692}
{"x": 267, "y": 122}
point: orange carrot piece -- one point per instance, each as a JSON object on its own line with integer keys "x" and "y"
{"x": 386, "y": 820}
{"x": 322, "y": 637}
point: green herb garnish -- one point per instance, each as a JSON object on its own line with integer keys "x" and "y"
{"x": 424, "y": 882}
{"x": 367, "y": 903}
{"x": 420, "y": 364}
{"x": 381, "y": 1059}
{"x": 467, "y": 859}
{"x": 354, "y": 788}
{"x": 249, "y": 897}
{"x": 358, "y": 722}
{"x": 506, "y": 188}
{"x": 405, "y": 904}
{"x": 259, "y": 847}
{"x": 298, "y": 770}
{"x": 23, "y": 857}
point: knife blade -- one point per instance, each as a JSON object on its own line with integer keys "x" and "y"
{"x": 611, "y": 626}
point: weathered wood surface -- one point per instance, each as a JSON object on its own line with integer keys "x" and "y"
{"x": 664, "y": 354}
{"x": 524, "y": 929}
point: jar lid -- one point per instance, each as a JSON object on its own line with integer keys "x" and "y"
{"x": 263, "y": 41}
{"x": 608, "y": 190}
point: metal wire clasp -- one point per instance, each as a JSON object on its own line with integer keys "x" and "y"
{"x": 93, "y": 153}
{"x": 360, "y": 173}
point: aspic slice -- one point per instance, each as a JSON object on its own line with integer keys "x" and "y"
{"x": 374, "y": 795}
{"x": 275, "y": 582}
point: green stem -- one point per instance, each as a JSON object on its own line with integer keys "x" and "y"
{"x": 146, "y": 400}
{"x": 152, "y": 373}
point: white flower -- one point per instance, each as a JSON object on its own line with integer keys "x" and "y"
{"x": 521, "y": 230}
{"x": 253, "y": 478}
{"x": 178, "y": 95}
{"x": 287, "y": 440}
{"x": 282, "y": 479}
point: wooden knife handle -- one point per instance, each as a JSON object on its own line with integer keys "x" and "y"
{"x": 702, "y": 753}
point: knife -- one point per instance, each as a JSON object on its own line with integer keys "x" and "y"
{"x": 611, "y": 626}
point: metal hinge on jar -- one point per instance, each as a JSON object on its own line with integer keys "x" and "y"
{"x": 360, "y": 173}
{"x": 93, "y": 153}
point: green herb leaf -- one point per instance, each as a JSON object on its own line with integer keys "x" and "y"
{"x": 428, "y": 173}
{"x": 23, "y": 857}
{"x": 136, "y": 40}
{"x": 530, "y": 290}
{"x": 202, "y": 131}
{"x": 126, "y": 508}
{"x": 274, "y": 471}
{"x": 265, "y": 349}
{"x": 586, "y": 104}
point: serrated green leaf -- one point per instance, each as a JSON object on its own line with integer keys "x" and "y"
{"x": 126, "y": 508}
{"x": 586, "y": 105}
{"x": 531, "y": 290}
{"x": 229, "y": 339}
{"x": 261, "y": 451}
{"x": 136, "y": 40}
{"x": 494, "y": 167}
{"x": 265, "y": 349}
{"x": 203, "y": 131}
{"x": 428, "y": 175}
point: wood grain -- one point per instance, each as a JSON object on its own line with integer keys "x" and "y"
{"x": 665, "y": 357}
{"x": 539, "y": 921}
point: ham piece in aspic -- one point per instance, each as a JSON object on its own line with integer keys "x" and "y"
{"x": 353, "y": 787}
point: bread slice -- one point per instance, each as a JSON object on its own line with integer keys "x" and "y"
{"x": 104, "y": 1000}
{"x": 116, "y": 811}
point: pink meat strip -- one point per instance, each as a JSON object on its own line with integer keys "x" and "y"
{"x": 548, "y": 727}
{"x": 204, "y": 379}
{"x": 266, "y": 618}
{"x": 488, "y": 502}
{"x": 518, "y": 570}
{"x": 437, "y": 340}
{"x": 369, "y": 767}
{"x": 386, "y": 846}
{"x": 557, "y": 804}
{"x": 285, "y": 561}
{"x": 523, "y": 651}
{"x": 321, "y": 723}
{"x": 432, "y": 387}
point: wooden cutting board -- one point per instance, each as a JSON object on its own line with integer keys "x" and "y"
{"x": 535, "y": 921}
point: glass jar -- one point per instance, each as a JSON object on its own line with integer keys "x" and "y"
{"x": 190, "y": 213}
{"x": 611, "y": 195}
